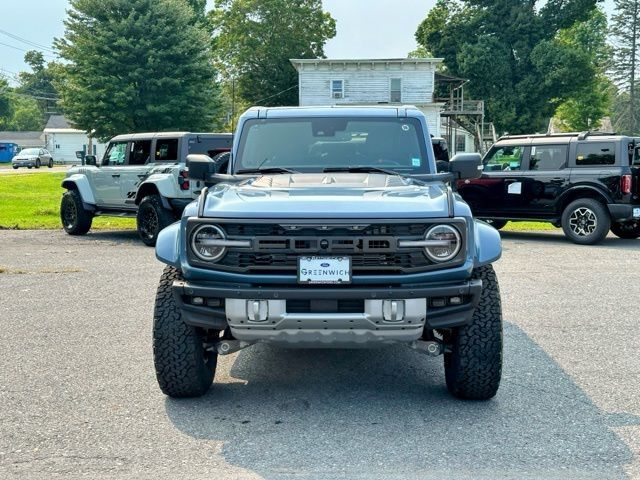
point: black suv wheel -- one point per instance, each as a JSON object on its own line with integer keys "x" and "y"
{"x": 75, "y": 219}
{"x": 152, "y": 217}
{"x": 473, "y": 366}
{"x": 586, "y": 221}
{"x": 629, "y": 230}
{"x": 183, "y": 367}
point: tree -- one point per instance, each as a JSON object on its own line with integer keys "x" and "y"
{"x": 18, "y": 111}
{"x": 134, "y": 66}
{"x": 625, "y": 28}
{"x": 585, "y": 109}
{"x": 5, "y": 104}
{"x": 254, "y": 40}
{"x": 39, "y": 82}
{"x": 510, "y": 52}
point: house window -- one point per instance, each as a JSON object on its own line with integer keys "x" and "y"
{"x": 461, "y": 143}
{"x": 396, "y": 90}
{"x": 337, "y": 88}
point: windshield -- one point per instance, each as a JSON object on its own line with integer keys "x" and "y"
{"x": 316, "y": 144}
{"x": 29, "y": 151}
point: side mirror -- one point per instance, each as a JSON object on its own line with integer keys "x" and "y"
{"x": 466, "y": 166}
{"x": 90, "y": 160}
{"x": 201, "y": 167}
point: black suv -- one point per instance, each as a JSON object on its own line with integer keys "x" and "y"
{"x": 586, "y": 183}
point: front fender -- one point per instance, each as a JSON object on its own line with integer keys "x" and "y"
{"x": 168, "y": 245}
{"x": 488, "y": 243}
{"x": 79, "y": 182}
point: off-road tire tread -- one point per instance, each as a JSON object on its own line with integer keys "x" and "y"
{"x": 84, "y": 217}
{"x": 178, "y": 351}
{"x": 604, "y": 221}
{"x": 165, "y": 217}
{"x": 473, "y": 367}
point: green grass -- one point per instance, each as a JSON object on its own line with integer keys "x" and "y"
{"x": 32, "y": 201}
{"x": 527, "y": 226}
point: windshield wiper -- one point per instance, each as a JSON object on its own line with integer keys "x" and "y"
{"x": 265, "y": 170}
{"x": 361, "y": 169}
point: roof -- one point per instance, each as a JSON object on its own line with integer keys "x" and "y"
{"x": 333, "y": 111}
{"x": 356, "y": 61}
{"x": 151, "y": 135}
{"x": 30, "y": 138}
{"x": 57, "y": 121}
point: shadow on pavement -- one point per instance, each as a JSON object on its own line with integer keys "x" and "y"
{"x": 386, "y": 414}
{"x": 554, "y": 238}
{"x": 114, "y": 236}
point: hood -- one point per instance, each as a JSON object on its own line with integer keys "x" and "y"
{"x": 328, "y": 195}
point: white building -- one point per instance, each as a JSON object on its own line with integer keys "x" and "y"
{"x": 405, "y": 81}
{"x": 63, "y": 141}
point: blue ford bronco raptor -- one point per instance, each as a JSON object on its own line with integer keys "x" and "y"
{"x": 328, "y": 227}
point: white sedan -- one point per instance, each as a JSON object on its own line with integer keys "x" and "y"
{"x": 32, "y": 157}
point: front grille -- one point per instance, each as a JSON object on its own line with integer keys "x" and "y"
{"x": 373, "y": 247}
{"x": 326, "y": 306}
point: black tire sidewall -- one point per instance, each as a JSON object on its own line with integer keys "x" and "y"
{"x": 38, "y": 164}
{"x": 164, "y": 218}
{"x": 83, "y": 219}
{"x": 602, "y": 217}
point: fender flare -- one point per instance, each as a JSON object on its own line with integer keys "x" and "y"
{"x": 165, "y": 186}
{"x": 79, "y": 182}
{"x": 591, "y": 188}
{"x": 488, "y": 243}
{"x": 168, "y": 245}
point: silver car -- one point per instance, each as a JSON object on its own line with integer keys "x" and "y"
{"x": 32, "y": 157}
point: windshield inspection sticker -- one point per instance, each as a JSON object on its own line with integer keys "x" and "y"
{"x": 515, "y": 188}
{"x": 405, "y": 127}
{"x": 415, "y": 162}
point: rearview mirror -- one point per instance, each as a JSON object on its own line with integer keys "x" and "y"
{"x": 90, "y": 160}
{"x": 466, "y": 166}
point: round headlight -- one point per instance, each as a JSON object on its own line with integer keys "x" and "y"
{"x": 205, "y": 243}
{"x": 449, "y": 243}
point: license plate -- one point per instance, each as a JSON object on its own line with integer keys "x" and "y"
{"x": 324, "y": 270}
{"x": 636, "y": 213}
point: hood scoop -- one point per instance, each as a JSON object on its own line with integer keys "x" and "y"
{"x": 341, "y": 180}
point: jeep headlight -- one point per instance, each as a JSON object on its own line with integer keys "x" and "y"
{"x": 446, "y": 243}
{"x": 208, "y": 243}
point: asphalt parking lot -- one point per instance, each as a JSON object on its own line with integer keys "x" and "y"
{"x": 78, "y": 396}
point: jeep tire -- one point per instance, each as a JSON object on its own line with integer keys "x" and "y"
{"x": 183, "y": 367}
{"x": 75, "y": 219}
{"x": 627, "y": 230}
{"x": 586, "y": 221}
{"x": 152, "y": 217}
{"x": 473, "y": 361}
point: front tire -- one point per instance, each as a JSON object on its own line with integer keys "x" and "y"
{"x": 627, "y": 230}
{"x": 38, "y": 163}
{"x": 473, "y": 366}
{"x": 152, "y": 217}
{"x": 586, "y": 221}
{"x": 183, "y": 367}
{"x": 75, "y": 219}
{"x": 50, "y": 165}
{"x": 15, "y": 167}
{"x": 497, "y": 224}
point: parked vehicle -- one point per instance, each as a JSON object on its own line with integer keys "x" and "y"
{"x": 586, "y": 183}
{"x": 32, "y": 157}
{"x": 329, "y": 228}
{"x": 141, "y": 175}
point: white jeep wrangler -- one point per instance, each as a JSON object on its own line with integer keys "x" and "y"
{"x": 141, "y": 175}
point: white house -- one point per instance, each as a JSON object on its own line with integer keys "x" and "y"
{"x": 63, "y": 141}
{"x": 399, "y": 81}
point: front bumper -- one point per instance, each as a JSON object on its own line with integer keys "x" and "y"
{"x": 24, "y": 163}
{"x": 624, "y": 212}
{"x": 386, "y": 315}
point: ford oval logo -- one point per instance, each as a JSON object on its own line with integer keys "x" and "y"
{"x": 324, "y": 265}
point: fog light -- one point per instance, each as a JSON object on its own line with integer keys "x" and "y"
{"x": 455, "y": 300}
{"x": 197, "y": 301}
{"x": 214, "y": 302}
{"x": 439, "y": 302}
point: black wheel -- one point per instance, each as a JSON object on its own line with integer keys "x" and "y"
{"x": 38, "y": 163}
{"x": 75, "y": 219}
{"x": 152, "y": 217}
{"x": 627, "y": 230}
{"x": 50, "y": 165}
{"x": 15, "y": 167}
{"x": 29, "y": 167}
{"x": 473, "y": 365}
{"x": 183, "y": 367}
{"x": 497, "y": 224}
{"x": 586, "y": 221}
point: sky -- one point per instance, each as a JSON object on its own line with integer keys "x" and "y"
{"x": 365, "y": 28}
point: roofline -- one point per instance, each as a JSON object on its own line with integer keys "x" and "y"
{"x": 580, "y": 135}
{"x": 364, "y": 60}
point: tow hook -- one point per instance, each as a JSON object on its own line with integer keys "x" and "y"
{"x": 433, "y": 349}
{"x": 227, "y": 347}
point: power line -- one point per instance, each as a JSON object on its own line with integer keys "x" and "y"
{"x": 37, "y": 97}
{"x": 23, "y": 50}
{"x": 275, "y": 95}
{"x": 24, "y": 40}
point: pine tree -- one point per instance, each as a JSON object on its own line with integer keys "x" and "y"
{"x": 625, "y": 28}
{"x": 136, "y": 65}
